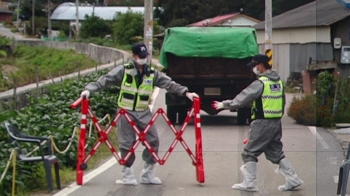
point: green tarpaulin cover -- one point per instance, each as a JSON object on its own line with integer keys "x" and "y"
{"x": 227, "y": 42}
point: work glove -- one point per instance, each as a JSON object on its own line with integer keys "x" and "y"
{"x": 190, "y": 96}
{"x": 85, "y": 94}
{"x": 217, "y": 105}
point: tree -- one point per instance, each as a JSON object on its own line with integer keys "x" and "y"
{"x": 94, "y": 26}
{"x": 183, "y": 12}
{"x": 127, "y": 26}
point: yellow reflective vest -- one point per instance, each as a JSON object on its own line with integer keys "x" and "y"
{"x": 271, "y": 102}
{"x": 132, "y": 97}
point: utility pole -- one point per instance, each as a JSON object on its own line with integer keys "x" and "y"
{"x": 48, "y": 19}
{"x": 148, "y": 27}
{"x": 17, "y": 10}
{"x": 77, "y": 17}
{"x": 33, "y": 17}
{"x": 268, "y": 30}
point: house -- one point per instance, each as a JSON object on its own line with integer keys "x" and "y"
{"x": 228, "y": 20}
{"x": 5, "y": 12}
{"x": 318, "y": 31}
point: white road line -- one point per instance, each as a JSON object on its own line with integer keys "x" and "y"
{"x": 72, "y": 187}
{"x": 318, "y": 136}
{"x": 336, "y": 178}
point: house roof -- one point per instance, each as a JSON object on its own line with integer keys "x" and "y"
{"x": 317, "y": 13}
{"x": 66, "y": 11}
{"x": 219, "y": 19}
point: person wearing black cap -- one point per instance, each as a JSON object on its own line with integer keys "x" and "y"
{"x": 268, "y": 98}
{"x": 137, "y": 81}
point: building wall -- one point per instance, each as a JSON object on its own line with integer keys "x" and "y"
{"x": 341, "y": 29}
{"x": 241, "y": 21}
{"x": 297, "y": 35}
{"x": 288, "y": 58}
{"x": 4, "y": 16}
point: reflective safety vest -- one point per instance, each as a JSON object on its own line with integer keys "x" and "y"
{"x": 270, "y": 104}
{"x": 132, "y": 97}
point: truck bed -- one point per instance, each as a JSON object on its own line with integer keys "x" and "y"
{"x": 207, "y": 68}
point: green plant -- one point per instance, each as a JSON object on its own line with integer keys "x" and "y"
{"x": 50, "y": 115}
{"x": 303, "y": 110}
{"x": 42, "y": 62}
{"x": 126, "y": 26}
{"x": 94, "y": 26}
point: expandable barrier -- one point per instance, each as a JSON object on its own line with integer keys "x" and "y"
{"x": 197, "y": 158}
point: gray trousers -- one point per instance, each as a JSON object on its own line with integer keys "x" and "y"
{"x": 127, "y": 136}
{"x": 264, "y": 136}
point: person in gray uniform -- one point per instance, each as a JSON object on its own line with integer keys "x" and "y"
{"x": 268, "y": 98}
{"x": 137, "y": 81}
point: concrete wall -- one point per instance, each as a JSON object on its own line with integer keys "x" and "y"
{"x": 100, "y": 54}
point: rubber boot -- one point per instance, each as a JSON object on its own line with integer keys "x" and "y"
{"x": 128, "y": 177}
{"x": 249, "y": 175}
{"x": 292, "y": 179}
{"x": 147, "y": 175}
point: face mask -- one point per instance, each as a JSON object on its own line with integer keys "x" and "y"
{"x": 141, "y": 61}
{"x": 256, "y": 71}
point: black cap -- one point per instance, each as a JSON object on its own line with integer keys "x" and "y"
{"x": 140, "y": 50}
{"x": 259, "y": 58}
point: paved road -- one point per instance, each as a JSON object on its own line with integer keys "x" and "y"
{"x": 7, "y": 33}
{"x": 314, "y": 153}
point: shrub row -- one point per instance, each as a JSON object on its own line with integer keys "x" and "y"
{"x": 330, "y": 104}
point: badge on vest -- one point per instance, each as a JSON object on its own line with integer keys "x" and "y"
{"x": 275, "y": 87}
{"x": 147, "y": 82}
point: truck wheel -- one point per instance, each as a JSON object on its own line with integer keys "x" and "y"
{"x": 243, "y": 116}
{"x": 171, "y": 112}
{"x": 182, "y": 114}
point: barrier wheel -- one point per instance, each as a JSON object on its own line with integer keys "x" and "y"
{"x": 83, "y": 166}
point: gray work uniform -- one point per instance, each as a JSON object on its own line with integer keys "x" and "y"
{"x": 264, "y": 135}
{"x": 126, "y": 135}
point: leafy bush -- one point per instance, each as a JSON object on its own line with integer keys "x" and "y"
{"x": 126, "y": 26}
{"x": 303, "y": 110}
{"x": 94, "y": 26}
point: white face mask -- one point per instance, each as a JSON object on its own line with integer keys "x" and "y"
{"x": 256, "y": 71}
{"x": 141, "y": 61}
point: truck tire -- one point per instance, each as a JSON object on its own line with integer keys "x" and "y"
{"x": 172, "y": 114}
{"x": 177, "y": 114}
{"x": 243, "y": 116}
{"x": 182, "y": 114}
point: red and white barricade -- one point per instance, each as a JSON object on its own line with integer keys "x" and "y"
{"x": 197, "y": 157}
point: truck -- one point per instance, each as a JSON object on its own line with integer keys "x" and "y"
{"x": 211, "y": 61}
